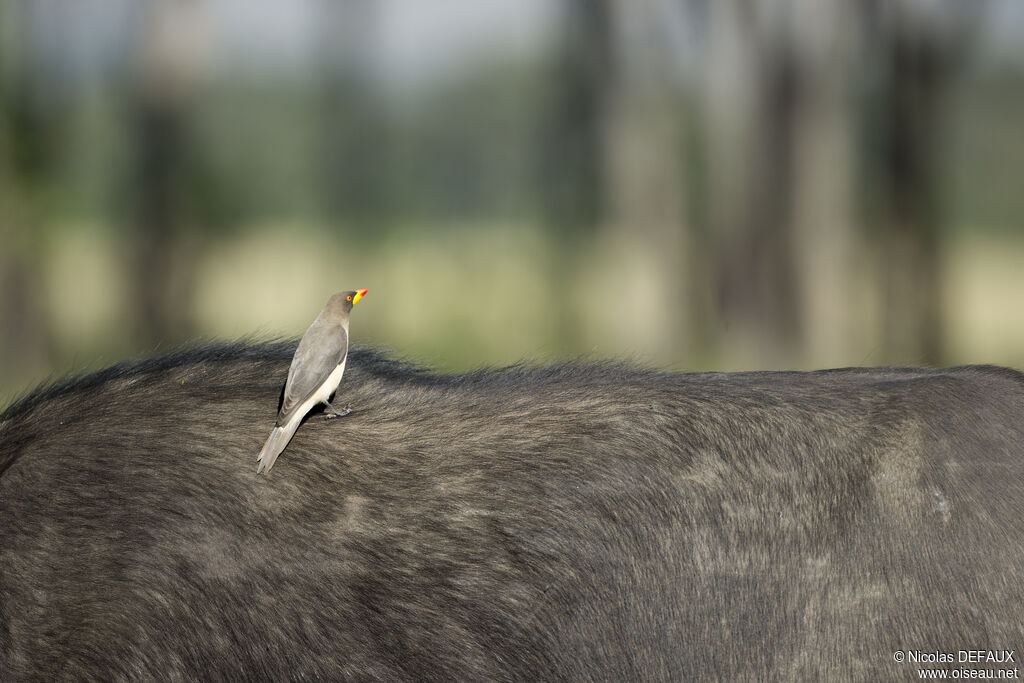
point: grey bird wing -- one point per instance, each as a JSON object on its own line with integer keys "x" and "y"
{"x": 320, "y": 351}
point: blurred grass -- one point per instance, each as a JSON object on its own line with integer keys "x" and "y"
{"x": 461, "y": 297}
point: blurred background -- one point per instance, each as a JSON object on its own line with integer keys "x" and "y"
{"x": 693, "y": 184}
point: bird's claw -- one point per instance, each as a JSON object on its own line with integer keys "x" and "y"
{"x": 337, "y": 413}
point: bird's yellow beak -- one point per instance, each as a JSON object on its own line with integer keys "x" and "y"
{"x": 360, "y": 293}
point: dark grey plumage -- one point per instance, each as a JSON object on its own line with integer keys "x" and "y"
{"x": 314, "y": 375}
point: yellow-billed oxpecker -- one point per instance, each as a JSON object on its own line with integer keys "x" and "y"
{"x": 314, "y": 375}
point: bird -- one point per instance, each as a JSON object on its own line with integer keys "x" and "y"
{"x": 314, "y": 375}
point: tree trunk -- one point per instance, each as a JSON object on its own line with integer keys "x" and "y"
{"x": 161, "y": 268}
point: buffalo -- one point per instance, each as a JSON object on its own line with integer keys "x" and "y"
{"x": 579, "y": 521}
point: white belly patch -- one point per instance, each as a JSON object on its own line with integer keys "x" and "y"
{"x": 321, "y": 394}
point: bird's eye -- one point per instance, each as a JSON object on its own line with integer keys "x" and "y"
{"x": 348, "y": 298}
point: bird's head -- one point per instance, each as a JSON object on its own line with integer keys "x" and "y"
{"x": 344, "y": 301}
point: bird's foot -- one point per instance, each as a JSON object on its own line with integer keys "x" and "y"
{"x": 331, "y": 412}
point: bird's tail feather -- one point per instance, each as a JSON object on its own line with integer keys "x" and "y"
{"x": 276, "y": 443}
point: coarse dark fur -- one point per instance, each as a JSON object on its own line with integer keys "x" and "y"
{"x": 573, "y": 522}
